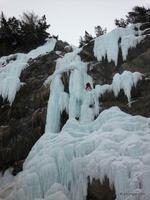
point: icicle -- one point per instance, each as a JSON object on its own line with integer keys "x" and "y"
{"x": 107, "y": 46}
{"x": 54, "y": 109}
{"x": 125, "y": 81}
{"x": 64, "y": 102}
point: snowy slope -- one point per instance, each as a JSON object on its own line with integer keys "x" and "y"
{"x": 116, "y": 144}
{"x": 10, "y": 72}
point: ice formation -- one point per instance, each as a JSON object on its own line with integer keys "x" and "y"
{"x": 125, "y": 81}
{"x": 80, "y": 103}
{"x": 12, "y": 66}
{"x": 107, "y": 46}
{"x": 116, "y": 144}
{"x": 78, "y": 99}
{"x": 55, "y": 109}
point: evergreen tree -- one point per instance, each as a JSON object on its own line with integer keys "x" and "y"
{"x": 121, "y": 23}
{"x": 33, "y": 30}
{"x": 99, "y": 31}
{"x": 86, "y": 39}
{"x": 9, "y": 34}
{"x": 81, "y": 42}
{"x": 22, "y": 35}
{"x": 137, "y": 15}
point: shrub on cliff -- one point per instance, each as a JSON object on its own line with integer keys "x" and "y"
{"x": 85, "y": 39}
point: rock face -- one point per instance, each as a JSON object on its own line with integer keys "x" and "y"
{"x": 22, "y": 124}
{"x": 100, "y": 191}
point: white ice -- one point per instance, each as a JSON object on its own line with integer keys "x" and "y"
{"x": 10, "y": 70}
{"x": 76, "y": 100}
{"x": 107, "y": 46}
{"x": 125, "y": 81}
{"x": 116, "y": 144}
{"x": 79, "y": 103}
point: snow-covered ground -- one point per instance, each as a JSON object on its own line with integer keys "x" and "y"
{"x": 10, "y": 72}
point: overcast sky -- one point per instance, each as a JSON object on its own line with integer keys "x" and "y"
{"x": 70, "y": 18}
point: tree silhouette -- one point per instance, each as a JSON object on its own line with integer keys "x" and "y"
{"x": 22, "y": 35}
{"x": 100, "y": 31}
{"x": 85, "y": 39}
{"x": 137, "y": 15}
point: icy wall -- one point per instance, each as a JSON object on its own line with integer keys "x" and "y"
{"x": 115, "y": 145}
{"x": 107, "y": 46}
{"x": 12, "y": 66}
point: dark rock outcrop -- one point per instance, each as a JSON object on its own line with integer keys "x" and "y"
{"x": 100, "y": 191}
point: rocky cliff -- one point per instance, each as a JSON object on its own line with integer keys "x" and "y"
{"x": 23, "y": 123}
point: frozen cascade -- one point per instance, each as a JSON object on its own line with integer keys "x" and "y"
{"x": 80, "y": 103}
{"x": 10, "y": 72}
{"x": 125, "y": 81}
{"x": 107, "y": 46}
{"x": 54, "y": 108}
{"x": 76, "y": 101}
{"x": 116, "y": 144}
